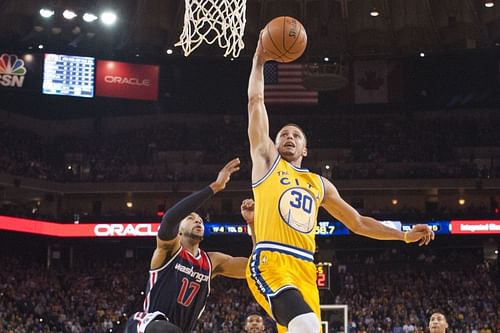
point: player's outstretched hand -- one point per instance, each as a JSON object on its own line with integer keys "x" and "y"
{"x": 420, "y": 233}
{"x": 247, "y": 207}
{"x": 225, "y": 175}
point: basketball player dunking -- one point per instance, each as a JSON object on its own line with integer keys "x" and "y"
{"x": 179, "y": 279}
{"x": 281, "y": 274}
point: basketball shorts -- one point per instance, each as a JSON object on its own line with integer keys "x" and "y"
{"x": 275, "y": 267}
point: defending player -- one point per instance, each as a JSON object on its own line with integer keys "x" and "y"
{"x": 281, "y": 274}
{"x": 179, "y": 279}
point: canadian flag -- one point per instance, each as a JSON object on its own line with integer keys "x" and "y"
{"x": 373, "y": 82}
{"x": 370, "y": 82}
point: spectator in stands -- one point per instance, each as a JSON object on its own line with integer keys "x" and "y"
{"x": 254, "y": 323}
{"x": 438, "y": 323}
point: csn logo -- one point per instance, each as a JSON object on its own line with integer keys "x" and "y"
{"x": 131, "y": 81}
{"x": 114, "y": 230}
{"x": 12, "y": 71}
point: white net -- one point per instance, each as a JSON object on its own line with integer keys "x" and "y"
{"x": 214, "y": 20}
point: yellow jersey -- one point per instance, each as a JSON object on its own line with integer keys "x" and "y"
{"x": 287, "y": 201}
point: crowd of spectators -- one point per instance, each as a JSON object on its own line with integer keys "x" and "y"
{"x": 374, "y": 146}
{"x": 394, "y": 292}
{"x": 389, "y": 291}
{"x": 90, "y": 299}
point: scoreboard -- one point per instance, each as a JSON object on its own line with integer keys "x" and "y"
{"x": 68, "y": 75}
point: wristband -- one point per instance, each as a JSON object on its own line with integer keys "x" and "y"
{"x": 405, "y": 238}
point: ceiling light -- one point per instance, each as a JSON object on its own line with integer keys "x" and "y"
{"x": 44, "y": 12}
{"x": 169, "y": 51}
{"x": 130, "y": 204}
{"x": 69, "y": 14}
{"x": 40, "y": 46}
{"x": 461, "y": 201}
{"x": 422, "y": 54}
{"x": 394, "y": 202}
{"x": 326, "y": 59}
{"x": 108, "y": 18}
{"x": 89, "y": 17}
{"x": 374, "y": 12}
{"x": 489, "y": 4}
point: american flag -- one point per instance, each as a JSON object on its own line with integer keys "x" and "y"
{"x": 284, "y": 85}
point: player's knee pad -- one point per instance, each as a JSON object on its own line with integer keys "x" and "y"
{"x": 162, "y": 326}
{"x": 304, "y": 323}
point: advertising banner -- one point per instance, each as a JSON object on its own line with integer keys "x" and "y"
{"x": 475, "y": 226}
{"x": 126, "y": 80}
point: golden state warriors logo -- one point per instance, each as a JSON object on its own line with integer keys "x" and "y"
{"x": 298, "y": 208}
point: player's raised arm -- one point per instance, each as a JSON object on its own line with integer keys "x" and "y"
{"x": 168, "y": 239}
{"x": 261, "y": 146}
{"x": 367, "y": 226}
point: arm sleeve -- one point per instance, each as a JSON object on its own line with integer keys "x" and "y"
{"x": 169, "y": 227}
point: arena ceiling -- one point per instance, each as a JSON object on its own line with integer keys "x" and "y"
{"x": 334, "y": 27}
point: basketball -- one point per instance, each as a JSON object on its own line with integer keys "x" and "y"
{"x": 284, "y": 39}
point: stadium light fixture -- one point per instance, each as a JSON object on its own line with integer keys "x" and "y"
{"x": 374, "y": 12}
{"x": 108, "y": 18}
{"x": 69, "y": 14}
{"x": 89, "y": 17}
{"x": 45, "y": 12}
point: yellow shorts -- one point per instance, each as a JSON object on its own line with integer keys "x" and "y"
{"x": 275, "y": 267}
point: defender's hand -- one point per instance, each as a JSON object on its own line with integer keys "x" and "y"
{"x": 225, "y": 175}
{"x": 247, "y": 208}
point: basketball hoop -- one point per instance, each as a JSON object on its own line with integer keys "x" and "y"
{"x": 323, "y": 77}
{"x": 210, "y": 21}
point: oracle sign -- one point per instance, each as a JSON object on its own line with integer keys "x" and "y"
{"x": 132, "y": 81}
{"x": 124, "y": 230}
{"x": 145, "y": 229}
{"x": 126, "y": 80}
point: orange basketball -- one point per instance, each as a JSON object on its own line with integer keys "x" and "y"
{"x": 284, "y": 39}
